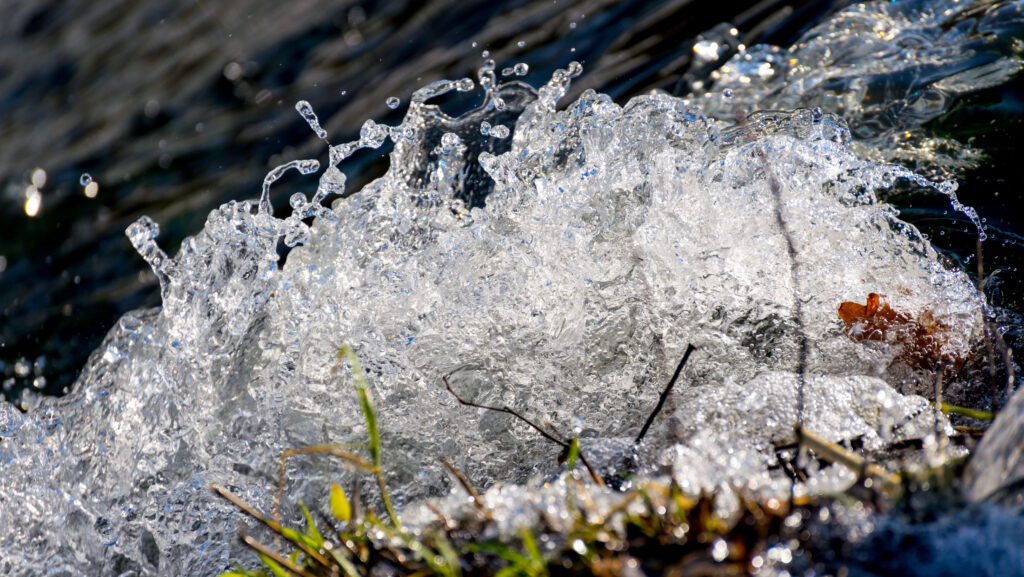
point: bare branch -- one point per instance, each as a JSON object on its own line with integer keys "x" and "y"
{"x": 535, "y": 426}
{"x": 560, "y": 442}
{"x": 478, "y": 501}
{"x": 664, "y": 394}
{"x": 776, "y": 187}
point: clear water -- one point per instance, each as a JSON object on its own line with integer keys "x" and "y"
{"x": 560, "y": 269}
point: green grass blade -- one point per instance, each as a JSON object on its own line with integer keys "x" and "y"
{"x": 501, "y": 551}
{"x": 965, "y": 412}
{"x": 537, "y": 565}
{"x": 275, "y": 569}
{"x": 312, "y": 532}
{"x": 444, "y": 547}
{"x": 574, "y": 453}
{"x": 366, "y": 404}
{"x": 346, "y": 565}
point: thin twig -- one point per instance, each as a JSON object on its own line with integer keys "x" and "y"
{"x": 356, "y": 501}
{"x": 989, "y": 354}
{"x": 938, "y": 402}
{"x": 593, "y": 475}
{"x": 478, "y": 501}
{"x": 277, "y": 557}
{"x": 535, "y": 426}
{"x": 837, "y": 454}
{"x": 1005, "y": 352}
{"x": 664, "y": 394}
{"x": 560, "y": 442}
{"x": 776, "y": 188}
{"x": 252, "y": 512}
{"x": 445, "y": 522}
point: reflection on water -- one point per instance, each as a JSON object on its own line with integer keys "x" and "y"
{"x": 118, "y": 108}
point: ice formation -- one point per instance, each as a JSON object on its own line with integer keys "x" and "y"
{"x": 561, "y": 271}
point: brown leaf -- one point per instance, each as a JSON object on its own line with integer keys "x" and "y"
{"x": 921, "y": 338}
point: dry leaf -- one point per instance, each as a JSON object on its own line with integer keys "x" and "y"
{"x": 921, "y": 339}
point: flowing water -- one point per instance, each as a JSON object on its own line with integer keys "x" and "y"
{"x": 555, "y": 252}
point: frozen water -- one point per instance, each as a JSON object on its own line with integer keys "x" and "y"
{"x": 561, "y": 271}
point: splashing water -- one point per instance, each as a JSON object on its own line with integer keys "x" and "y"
{"x": 561, "y": 271}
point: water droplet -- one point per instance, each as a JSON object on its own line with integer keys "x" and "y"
{"x": 33, "y": 200}
{"x": 232, "y": 71}
{"x": 706, "y": 50}
{"x": 332, "y": 182}
{"x": 521, "y": 44}
{"x": 22, "y": 367}
{"x": 499, "y": 131}
{"x": 727, "y": 93}
{"x": 521, "y": 69}
{"x": 91, "y": 190}
{"x": 39, "y": 382}
{"x": 393, "y": 102}
{"x": 449, "y": 141}
{"x": 39, "y": 178}
{"x": 85, "y": 179}
{"x": 720, "y": 550}
{"x": 485, "y": 128}
{"x": 572, "y": 25}
{"x": 308, "y": 166}
{"x": 306, "y": 110}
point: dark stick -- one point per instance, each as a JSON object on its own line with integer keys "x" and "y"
{"x": 478, "y": 501}
{"x": 1004, "y": 352}
{"x": 988, "y": 333}
{"x": 938, "y": 401}
{"x": 560, "y": 442}
{"x": 536, "y": 427}
{"x": 593, "y": 475}
{"x": 776, "y": 188}
{"x": 664, "y": 394}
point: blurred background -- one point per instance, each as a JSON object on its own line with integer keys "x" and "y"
{"x": 173, "y": 107}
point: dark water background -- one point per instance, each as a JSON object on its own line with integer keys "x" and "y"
{"x": 175, "y": 107}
